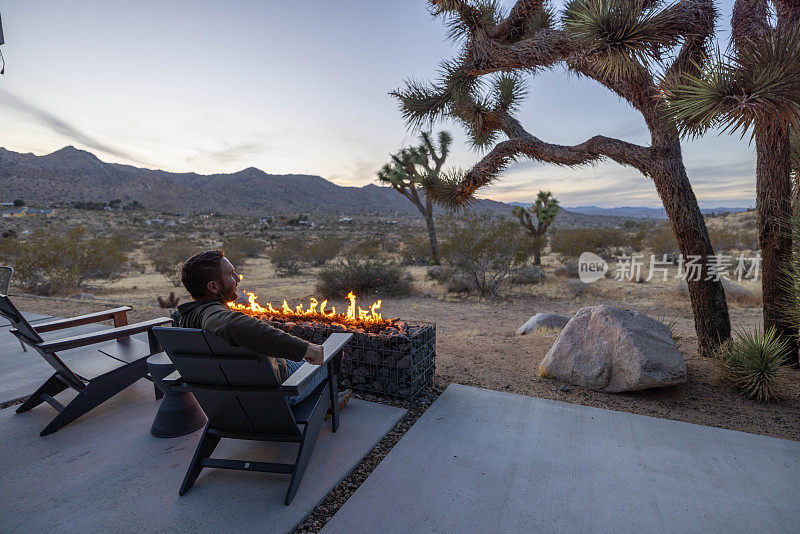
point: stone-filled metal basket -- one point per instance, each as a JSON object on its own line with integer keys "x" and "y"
{"x": 398, "y": 362}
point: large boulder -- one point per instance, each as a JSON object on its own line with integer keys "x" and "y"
{"x": 613, "y": 350}
{"x": 543, "y": 322}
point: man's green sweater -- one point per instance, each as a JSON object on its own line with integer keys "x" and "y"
{"x": 241, "y": 330}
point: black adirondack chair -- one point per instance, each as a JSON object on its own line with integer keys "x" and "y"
{"x": 96, "y": 374}
{"x": 243, "y": 399}
{"x": 6, "y": 273}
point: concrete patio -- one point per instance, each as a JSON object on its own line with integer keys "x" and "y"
{"x": 476, "y": 461}
{"x": 106, "y": 473}
{"x": 487, "y": 461}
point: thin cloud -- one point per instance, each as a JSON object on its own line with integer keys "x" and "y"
{"x": 61, "y": 126}
{"x": 231, "y": 154}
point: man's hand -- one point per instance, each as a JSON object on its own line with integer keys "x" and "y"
{"x": 314, "y": 354}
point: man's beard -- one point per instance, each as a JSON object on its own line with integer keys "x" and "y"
{"x": 231, "y": 295}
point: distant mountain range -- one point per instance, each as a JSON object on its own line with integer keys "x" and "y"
{"x": 73, "y": 175}
{"x": 635, "y": 212}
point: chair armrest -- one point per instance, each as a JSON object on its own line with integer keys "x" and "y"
{"x": 299, "y": 378}
{"x": 332, "y": 347}
{"x": 96, "y": 317}
{"x": 98, "y": 337}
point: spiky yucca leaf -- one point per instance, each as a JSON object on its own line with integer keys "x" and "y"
{"x": 508, "y": 91}
{"x": 620, "y": 34}
{"x": 422, "y": 104}
{"x": 754, "y": 362}
{"x": 446, "y": 189}
{"x": 541, "y": 19}
{"x": 545, "y": 207}
{"x": 463, "y": 18}
{"x": 761, "y": 79}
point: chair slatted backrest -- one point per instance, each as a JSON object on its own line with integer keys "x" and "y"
{"x": 237, "y": 389}
{"x": 18, "y": 321}
{"x": 29, "y": 335}
{"x": 5, "y": 278}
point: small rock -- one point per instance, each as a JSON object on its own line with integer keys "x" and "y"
{"x": 542, "y": 322}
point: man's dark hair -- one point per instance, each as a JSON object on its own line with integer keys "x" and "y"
{"x": 201, "y": 269}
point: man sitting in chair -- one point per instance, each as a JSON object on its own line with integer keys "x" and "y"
{"x": 211, "y": 280}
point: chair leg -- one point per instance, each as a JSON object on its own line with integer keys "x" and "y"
{"x": 21, "y": 344}
{"x": 96, "y": 393}
{"x": 159, "y": 393}
{"x": 310, "y": 435}
{"x": 334, "y": 396}
{"x": 53, "y": 386}
{"x": 208, "y": 442}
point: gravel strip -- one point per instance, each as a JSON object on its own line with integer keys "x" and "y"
{"x": 336, "y": 498}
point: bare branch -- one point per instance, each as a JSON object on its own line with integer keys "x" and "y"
{"x": 701, "y": 16}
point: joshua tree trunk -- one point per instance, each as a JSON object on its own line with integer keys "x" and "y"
{"x": 710, "y": 310}
{"x": 773, "y": 193}
{"x": 431, "y": 231}
{"x": 537, "y": 254}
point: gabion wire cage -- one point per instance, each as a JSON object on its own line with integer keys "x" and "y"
{"x": 397, "y": 363}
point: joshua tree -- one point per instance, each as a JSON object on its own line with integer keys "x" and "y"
{"x": 620, "y": 44}
{"x": 757, "y": 87}
{"x": 410, "y": 169}
{"x": 545, "y": 209}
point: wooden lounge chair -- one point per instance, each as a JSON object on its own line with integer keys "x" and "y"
{"x": 243, "y": 399}
{"x": 96, "y": 374}
{"x": 5, "y": 281}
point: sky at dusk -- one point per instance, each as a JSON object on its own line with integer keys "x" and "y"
{"x": 297, "y": 87}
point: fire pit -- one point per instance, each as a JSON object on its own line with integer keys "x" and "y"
{"x": 386, "y": 356}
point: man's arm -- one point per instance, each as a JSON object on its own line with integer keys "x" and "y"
{"x": 244, "y": 331}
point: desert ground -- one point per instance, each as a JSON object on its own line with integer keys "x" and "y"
{"x": 476, "y": 340}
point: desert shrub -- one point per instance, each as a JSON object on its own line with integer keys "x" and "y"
{"x": 734, "y": 293}
{"x": 287, "y": 255}
{"x": 123, "y": 241}
{"x": 754, "y": 363}
{"x": 168, "y": 257}
{"x": 239, "y": 249}
{"x": 576, "y": 287}
{"x": 723, "y": 239}
{"x": 528, "y": 275}
{"x": 484, "y": 250}
{"x": 322, "y": 250}
{"x": 365, "y": 247}
{"x": 457, "y": 283}
{"x": 416, "y": 250}
{"x": 572, "y": 242}
{"x": 661, "y": 240}
{"x": 569, "y": 269}
{"x": 364, "y": 277}
{"x": 748, "y": 239}
{"x": 47, "y": 263}
{"x": 437, "y": 273}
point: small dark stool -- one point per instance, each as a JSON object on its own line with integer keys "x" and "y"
{"x": 179, "y": 413}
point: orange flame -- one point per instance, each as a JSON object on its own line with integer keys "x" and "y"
{"x": 355, "y": 315}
